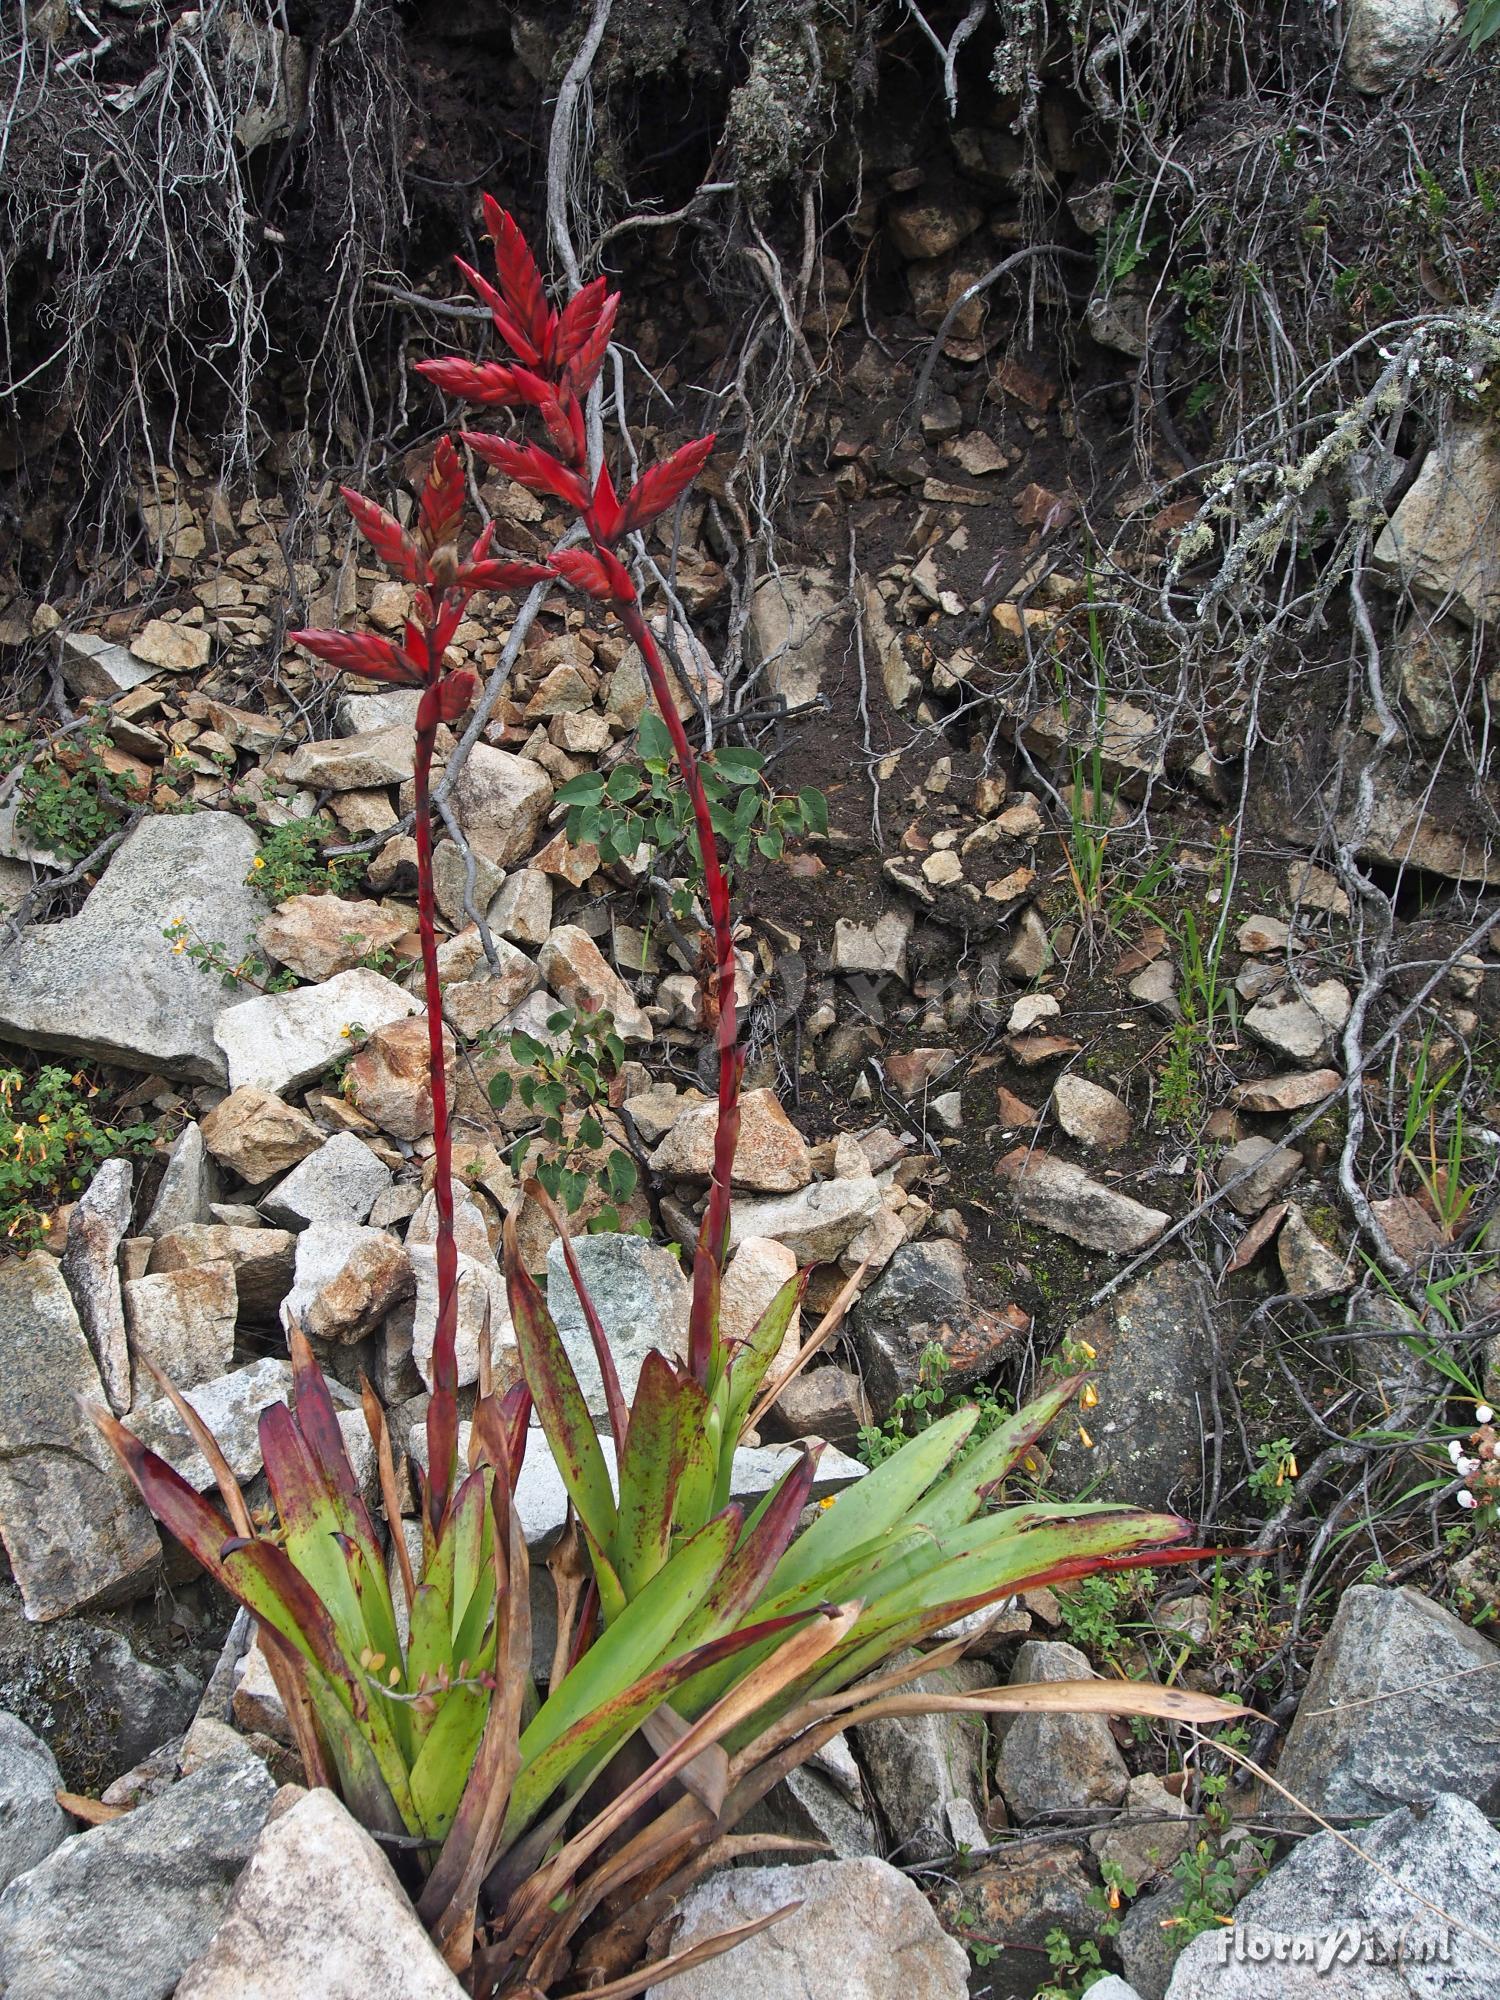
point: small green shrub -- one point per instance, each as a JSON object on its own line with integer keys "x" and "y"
{"x": 291, "y": 862}
{"x": 576, "y": 1071}
{"x": 919, "y": 1408}
{"x": 50, "y": 1145}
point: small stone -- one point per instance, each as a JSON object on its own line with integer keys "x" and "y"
{"x": 817, "y": 1223}
{"x": 1059, "y": 1196}
{"x": 1056, "y": 1763}
{"x": 923, "y": 1299}
{"x": 338, "y": 1183}
{"x": 1146, "y": 1851}
{"x": 824, "y": 1402}
{"x": 923, "y": 229}
{"x": 1030, "y": 950}
{"x": 501, "y": 802}
{"x": 1030, "y": 1010}
{"x": 74, "y": 1530}
{"x": 578, "y": 973}
{"x": 262, "y": 1261}
{"x": 1388, "y": 41}
{"x": 1291, "y": 1028}
{"x": 183, "y": 1321}
{"x": 96, "y": 670}
{"x": 1156, "y": 986}
{"x": 770, "y": 1157}
{"x": 641, "y": 1296}
{"x": 943, "y": 869}
{"x": 32, "y": 1823}
{"x": 390, "y": 1082}
{"x": 347, "y": 1280}
{"x": 1313, "y": 888}
{"x": 1294, "y": 1092}
{"x": 257, "y": 1136}
{"x": 317, "y": 936}
{"x": 450, "y": 882}
{"x": 367, "y": 761}
{"x": 1020, "y": 1894}
{"x": 522, "y": 910}
{"x": 179, "y": 649}
{"x": 475, "y": 1004}
{"x": 912, "y": 1070}
{"x": 1269, "y": 1169}
{"x": 1311, "y": 1268}
{"x": 1089, "y": 1113}
{"x": 281, "y": 1041}
{"x": 880, "y": 948}
{"x": 752, "y": 1278}
{"x": 859, "y": 1928}
{"x": 920, "y": 1767}
{"x": 97, "y": 1227}
{"x": 1263, "y": 934}
{"x": 319, "y": 1910}
{"x": 189, "y": 1183}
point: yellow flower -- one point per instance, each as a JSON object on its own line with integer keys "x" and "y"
{"x": 1088, "y": 1397}
{"x": 1084, "y": 1438}
{"x": 826, "y": 1503}
{"x": 259, "y": 861}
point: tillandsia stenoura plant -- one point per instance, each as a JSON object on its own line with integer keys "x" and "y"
{"x": 702, "y": 1650}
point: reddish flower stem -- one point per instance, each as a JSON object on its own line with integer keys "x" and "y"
{"x": 713, "y": 1241}
{"x": 442, "y": 1409}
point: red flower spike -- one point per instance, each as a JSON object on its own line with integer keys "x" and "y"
{"x": 455, "y": 693}
{"x": 484, "y": 290}
{"x": 385, "y": 534}
{"x": 657, "y": 489}
{"x": 520, "y": 281}
{"x": 360, "y": 653}
{"x": 442, "y": 503}
{"x": 587, "y": 571}
{"x": 579, "y": 319}
{"x": 501, "y": 574}
{"x": 485, "y": 382}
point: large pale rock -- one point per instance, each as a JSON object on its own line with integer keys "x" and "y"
{"x": 1291, "y": 1028}
{"x": 319, "y": 1911}
{"x": 317, "y": 936}
{"x": 98, "y": 1225}
{"x": 816, "y": 1223}
{"x": 188, "y": 1185}
{"x": 1403, "y": 1702}
{"x": 1401, "y": 1910}
{"x": 927, "y": 1772}
{"x": 642, "y": 1299}
{"x": 1441, "y": 539}
{"x": 347, "y": 1280}
{"x": 32, "y": 1823}
{"x": 183, "y": 1321}
{"x": 450, "y": 883}
{"x": 282, "y": 1040}
{"x": 580, "y": 975}
{"x": 1056, "y": 1763}
{"x": 358, "y": 763}
{"x": 798, "y": 628}
{"x": 262, "y": 1261}
{"x": 770, "y": 1156}
{"x": 107, "y": 985}
{"x": 257, "y": 1136}
{"x": 1268, "y": 1170}
{"x": 873, "y": 948}
{"x": 1089, "y": 1113}
{"x": 1154, "y": 1358}
{"x": 72, "y": 1525}
{"x": 97, "y": 669}
{"x": 484, "y": 996}
{"x": 119, "y": 1912}
{"x": 338, "y": 1183}
{"x": 862, "y": 1931}
{"x": 389, "y": 1079}
{"x": 1058, "y": 1196}
{"x": 522, "y": 911}
{"x": 500, "y": 802}
{"x": 230, "y": 1407}
{"x": 483, "y": 1309}
{"x": 1387, "y": 41}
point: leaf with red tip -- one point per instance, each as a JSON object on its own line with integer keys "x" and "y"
{"x": 483, "y": 289}
{"x": 587, "y": 358}
{"x": 486, "y": 382}
{"x": 319, "y": 1426}
{"x": 537, "y": 470}
{"x": 360, "y": 653}
{"x": 578, "y": 319}
{"x": 660, "y": 487}
{"x": 386, "y": 536}
{"x": 441, "y": 509}
{"x": 183, "y": 1512}
{"x": 520, "y": 280}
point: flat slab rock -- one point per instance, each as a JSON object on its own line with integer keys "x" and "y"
{"x": 72, "y": 1525}
{"x": 107, "y": 984}
{"x": 119, "y": 1912}
{"x": 280, "y": 1041}
{"x": 1056, "y": 1195}
{"x": 319, "y": 1911}
{"x": 862, "y": 1929}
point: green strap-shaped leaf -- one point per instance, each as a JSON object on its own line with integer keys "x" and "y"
{"x": 559, "y": 1401}
{"x": 958, "y": 1497}
{"x": 650, "y": 1470}
{"x": 747, "y": 1369}
{"x": 874, "y": 1504}
{"x": 442, "y": 1768}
